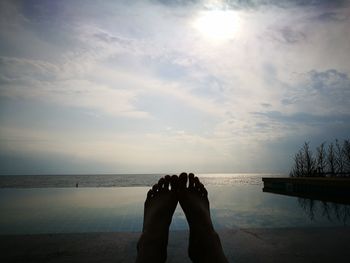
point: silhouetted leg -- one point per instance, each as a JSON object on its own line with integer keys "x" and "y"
{"x": 159, "y": 208}
{"x": 204, "y": 242}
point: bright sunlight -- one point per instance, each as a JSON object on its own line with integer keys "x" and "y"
{"x": 217, "y": 25}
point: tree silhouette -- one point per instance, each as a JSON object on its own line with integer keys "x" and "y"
{"x": 308, "y": 160}
{"x": 339, "y": 158}
{"x": 331, "y": 159}
{"x": 333, "y": 162}
{"x": 321, "y": 159}
{"x": 346, "y": 149}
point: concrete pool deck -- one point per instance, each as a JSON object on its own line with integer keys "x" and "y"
{"x": 240, "y": 245}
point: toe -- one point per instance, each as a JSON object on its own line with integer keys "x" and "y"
{"x": 174, "y": 182}
{"x": 182, "y": 180}
{"x": 191, "y": 180}
{"x": 199, "y": 187}
{"x": 161, "y": 184}
{"x": 202, "y": 190}
{"x": 150, "y": 194}
{"x": 167, "y": 182}
{"x": 155, "y": 188}
{"x": 197, "y": 184}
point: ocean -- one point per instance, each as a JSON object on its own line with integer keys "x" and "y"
{"x": 123, "y": 180}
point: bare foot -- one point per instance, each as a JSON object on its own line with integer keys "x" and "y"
{"x": 159, "y": 208}
{"x": 204, "y": 243}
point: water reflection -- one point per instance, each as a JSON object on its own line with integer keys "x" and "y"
{"x": 78, "y": 210}
{"x": 331, "y": 211}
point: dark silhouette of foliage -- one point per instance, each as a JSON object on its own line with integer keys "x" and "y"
{"x": 308, "y": 160}
{"x": 339, "y": 158}
{"x": 331, "y": 159}
{"x": 333, "y": 162}
{"x": 321, "y": 161}
{"x": 346, "y": 149}
{"x": 304, "y": 162}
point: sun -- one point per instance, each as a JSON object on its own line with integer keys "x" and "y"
{"x": 217, "y": 25}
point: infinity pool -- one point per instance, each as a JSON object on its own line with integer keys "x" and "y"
{"x": 74, "y": 210}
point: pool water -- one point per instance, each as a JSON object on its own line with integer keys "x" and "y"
{"x": 119, "y": 209}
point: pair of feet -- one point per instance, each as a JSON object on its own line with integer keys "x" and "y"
{"x": 160, "y": 204}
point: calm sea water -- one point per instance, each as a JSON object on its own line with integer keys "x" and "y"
{"x": 120, "y": 180}
{"x": 114, "y": 203}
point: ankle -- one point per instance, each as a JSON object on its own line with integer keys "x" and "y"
{"x": 200, "y": 237}
{"x": 152, "y": 247}
{"x": 206, "y": 248}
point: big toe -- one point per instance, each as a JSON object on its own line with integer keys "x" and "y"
{"x": 174, "y": 182}
{"x": 191, "y": 181}
{"x": 167, "y": 179}
{"x": 182, "y": 180}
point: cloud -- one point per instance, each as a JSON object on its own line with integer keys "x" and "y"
{"x": 329, "y": 81}
{"x": 108, "y": 38}
{"x": 287, "y": 35}
{"x": 305, "y": 118}
{"x": 325, "y": 92}
{"x": 254, "y": 3}
{"x": 168, "y": 151}
{"x": 23, "y": 78}
{"x": 332, "y": 17}
{"x": 266, "y": 105}
{"x": 316, "y": 106}
{"x": 285, "y": 3}
{"x": 177, "y": 2}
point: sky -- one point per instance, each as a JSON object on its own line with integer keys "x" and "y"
{"x": 170, "y": 85}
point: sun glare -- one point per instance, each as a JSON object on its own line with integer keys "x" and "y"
{"x": 217, "y": 25}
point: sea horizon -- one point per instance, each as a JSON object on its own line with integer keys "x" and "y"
{"x": 121, "y": 180}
